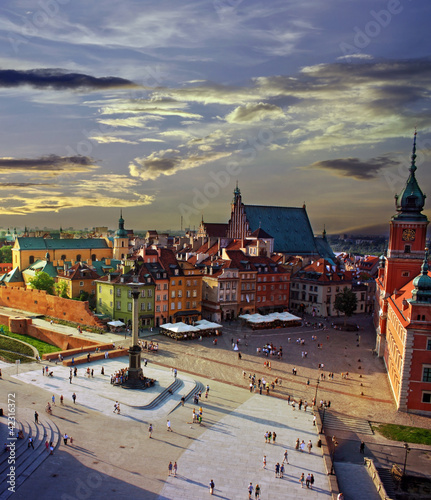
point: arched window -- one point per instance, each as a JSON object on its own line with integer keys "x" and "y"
{"x": 63, "y": 257}
{"x": 31, "y": 259}
{"x": 78, "y": 258}
{"x": 407, "y": 249}
{"x": 93, "y": 256}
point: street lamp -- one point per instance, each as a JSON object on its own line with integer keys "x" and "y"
{"x": 407, "y": 449}
{"x": 315, "y": 394}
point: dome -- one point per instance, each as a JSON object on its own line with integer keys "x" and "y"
{"x": 422, "y": 284}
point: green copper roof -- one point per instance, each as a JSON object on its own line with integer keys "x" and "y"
{"x": 47, "y": 244}
{"x": 13, "y": 276}
{"x": 422, "y": 284}
{"x": 290, "y": 228}
{"x": 410, "y": 202}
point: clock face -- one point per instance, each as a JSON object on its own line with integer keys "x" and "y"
{"x": 409, "y": 234}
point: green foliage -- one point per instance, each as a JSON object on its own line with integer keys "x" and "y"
{"x": 6, "y": 254}
{"x": 346, "y": 302}
{"x": 43, "y": 281}
{"x": 404, "y": 433}
{"x": 61, "y": 289}
{"x": 9, "y": 344}
{"x": 11, "y": 357}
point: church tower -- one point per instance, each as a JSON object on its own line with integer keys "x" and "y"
{"x": 121, "y": 240}
{"x": 238, "y": 227}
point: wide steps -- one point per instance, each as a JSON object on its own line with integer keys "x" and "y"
{"x": 387, "y": 481}
{"x": 28, "y": 460}
{"x": 342, "y": 423}
{"x": 197, "y": 387}
{"x": 163, "y": 396}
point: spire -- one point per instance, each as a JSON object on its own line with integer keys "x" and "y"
{"x": 236, "y": 194}
{"x": 121, "y": 232}
{"x": 410, "y": 202}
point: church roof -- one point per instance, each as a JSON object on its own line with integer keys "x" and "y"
{"x": 51, "y": 244}
{"x": 13, "y": 276}
{"x": 289, "y": 226}
{"x": 260, "y": 233}
{"x": 215, "y": 229}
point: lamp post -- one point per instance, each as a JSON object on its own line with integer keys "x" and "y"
{"x": 315, "y": 394}
{"x": 407, "y": 449}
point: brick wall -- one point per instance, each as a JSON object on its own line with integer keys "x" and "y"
{"x": 39, "y": 302}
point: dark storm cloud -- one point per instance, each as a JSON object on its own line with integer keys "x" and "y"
{"x": 56, "y": 79}
{"x": 51, "y": 163}
{"x": 354, "y": 167}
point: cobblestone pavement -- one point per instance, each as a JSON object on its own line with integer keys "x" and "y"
{"x": 112, "y": 455}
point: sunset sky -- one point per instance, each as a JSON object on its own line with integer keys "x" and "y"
{"x": 158, "y": 108}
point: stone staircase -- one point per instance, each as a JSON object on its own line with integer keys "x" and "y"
{"x": 27, "y": 460}
{"x": 162, "y": 397}
{"x": 387, "y": 481}
{"x": 197, "y": 387}
{"x": 338, "y": 422}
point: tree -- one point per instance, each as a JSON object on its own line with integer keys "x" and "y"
{"x": 61, "y": 289}
{"x": 42, "y": 281}
{"x": 6, "y": 254}
{"x": 346, "y": 302}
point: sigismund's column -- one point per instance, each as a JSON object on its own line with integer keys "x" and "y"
{"x": 135, "y": 370}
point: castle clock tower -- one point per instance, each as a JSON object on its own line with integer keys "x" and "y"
{"x": 407, "y": 237}
{"x": 406, "y": 248}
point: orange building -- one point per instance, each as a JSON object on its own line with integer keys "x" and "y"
{"x": 403, "y": 294}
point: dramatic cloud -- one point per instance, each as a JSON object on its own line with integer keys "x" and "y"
{"x": 356, "y": 168}
{"x": 169, "y": 162}
{"x": 56, "y": 79}
{"x": 254, "y": 112}
{"x": 51, "y": 163}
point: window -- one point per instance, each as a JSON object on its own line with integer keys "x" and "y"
{"x": 110, "y": 304}
{"x": 158, "y": 309}
{"x": 165, "y": 297}
{"x": 149, "y": 306}
{"x": 159, "y": 287}
{"x": 118, "y": 306}
{"x": 407, "y": 249}
{"x": 426, "y": 374}
{"x": 179, "y": 305}
{"x": 142, "y": 306}
{"x": 188, "y": 283}
{"x": 129, "y": 294}
{"x": 129, "y": 306}
{"x": 93, "y": 256}
{"x": 194, "y": 304}
{"x": 180, "y": 282}
{"x": 165, "y": 308}
{"x": 188, "y": 305}
{"x": 233, "y": 296}
{"x": 63, "y": 257}
{"x": 110, "y": 291}
{"x": 426, "y": 397}
{"x": 173, "y": 294}
{"x": 143, "y": 294}
{"x": 195, "y": 282}
{"x": 173, "y": 306}
{"x": 429, "y": 344}
{"x": 221, "y": 286}
{"x": 228, "y": 297}
{"x": 173, "y": 282}
{"x": 165, "y": 286}
{"x": 405, "y": 274}
{"x": 180, "y": 293}
{"x": 118, "y": 292}
{"x": 78, "y": 258}
{"x": 100, "y": 302}
{"x": 149, "y": 293}
{"x": 100, "y": 288}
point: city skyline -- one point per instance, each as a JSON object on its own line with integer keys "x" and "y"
{"x": 159, "y": 109}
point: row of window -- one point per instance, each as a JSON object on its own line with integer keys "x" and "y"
{"x": 179, "y": 293}
{"x": 263, "y": 278}
{"x": 78, "y": 258}
{"x": 280, "y": 297}
{"x": 280, "y": 287}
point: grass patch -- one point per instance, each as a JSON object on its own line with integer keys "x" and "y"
{"x": 42, "y": 347}
{"x": 9, "y": 344}
{"x": 11, "y": 357}
{"x": 404, "y": 433}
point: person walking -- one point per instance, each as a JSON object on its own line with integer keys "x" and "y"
{"x": 168, "y": 426}
{"x": 264, "y": 462}
{"x": 53, "y": 400}
{"x": 281, "y": 470}
{"x": 257, "y": 491}
{"x": 309, "y": 446}
{"x": 175, "y": 468}
{"x": 170, "y": 468}
{"x": 150, "y": 430}
{"x": 277, "y": 470}
{"x": 61, "y": 399}
{"x": 274, "y": 435}
{"x": 362, "y": 447}
{"x": 36, "y": 417}
{"x": 74, "y": 398}
{"x": 250, "y": 490}
{"x": 65, "y": 438}
{"x": 30, "y": 442}
{"x": 311, "y": 481}
{"x": 285, "y": 457}
{"x": 212, "y": 486}
{"x": 307, "y": 481}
